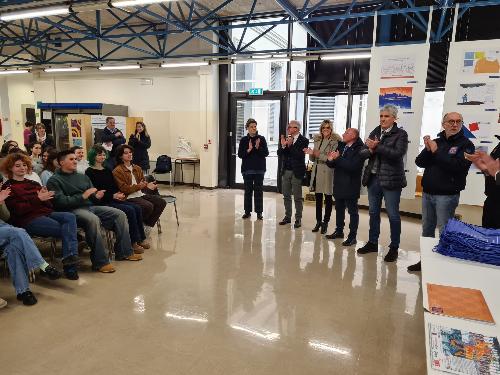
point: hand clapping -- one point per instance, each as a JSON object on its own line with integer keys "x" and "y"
{"x": 4, "y": 194}
{"x": 44, "y": 194}
{"x": 333, "y": 155}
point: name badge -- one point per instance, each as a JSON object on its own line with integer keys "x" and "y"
{"x": 453, "y": 150}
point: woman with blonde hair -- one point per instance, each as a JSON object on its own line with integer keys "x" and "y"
{"x": 322, "y": 176}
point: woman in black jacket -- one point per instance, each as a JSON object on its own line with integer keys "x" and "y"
{"x": 253, "y": 152}
{"x": 140, "y": 141}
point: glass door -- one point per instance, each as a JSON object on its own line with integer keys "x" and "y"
{"x": 269, "y": 114}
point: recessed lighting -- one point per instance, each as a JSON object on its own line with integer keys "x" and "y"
{"x": 34, "y": 13}
{"x": 119, "y": 67}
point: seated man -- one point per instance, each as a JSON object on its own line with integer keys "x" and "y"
{"x": 74, "y": 192}
{"x": 22, "y": 255}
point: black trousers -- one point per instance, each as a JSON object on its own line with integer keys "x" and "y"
{"x": 152, "y": 207}
{"x": 352, "y": 208}
{"x": 491, "y": 212}
{"x": 253, "y": 187}
{"x": 319, "y": 207}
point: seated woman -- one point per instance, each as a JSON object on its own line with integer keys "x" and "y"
{"x": 102, "y": 179}
{"x": 50, "y": 166}
{"x": 31, "y": 175}
{"x": 130, "y": 181}
{"x": 31, "y": 209}
{"x": 36, "y": 157}
{"x": 22, "y": 255}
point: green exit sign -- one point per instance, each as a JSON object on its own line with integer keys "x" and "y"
{"x": 256, "y": 92}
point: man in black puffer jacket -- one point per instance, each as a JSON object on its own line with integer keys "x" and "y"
{"x": 445, "y": 175}
{"x": 385, "y": 178}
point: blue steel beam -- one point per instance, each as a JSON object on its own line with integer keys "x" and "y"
{"x": 465, "y": 7}
{"x": 337, "y": 29}
{"x": 246, "y": 28}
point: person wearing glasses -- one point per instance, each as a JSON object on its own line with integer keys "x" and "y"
{"x": 445, "y": 175}
{"x": 322, "y": 175}
{"x": 291, "y": 150}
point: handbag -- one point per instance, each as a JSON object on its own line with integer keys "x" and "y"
{"x": 306, "y": 180}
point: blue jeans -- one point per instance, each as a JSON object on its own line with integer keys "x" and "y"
{"x": 57, "y": 225}
{"x": 391, "y": 199}
{"x": 90, "y": 219}
{"x": 352, "y": 208}
{"x": 134, "y": 217}
{"x": 21, "y": 253}
{"x": 436, "y": 211}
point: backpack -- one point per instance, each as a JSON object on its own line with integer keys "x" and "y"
{"x": 163, "y": 164}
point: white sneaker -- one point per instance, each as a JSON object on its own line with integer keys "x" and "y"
{"x": 147, "y": 230}
{"x": 3, "y": 303}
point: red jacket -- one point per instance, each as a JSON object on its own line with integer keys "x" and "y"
{"x": 23, "y": 202}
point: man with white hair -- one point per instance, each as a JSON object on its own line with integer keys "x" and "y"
{"x": 445, "y": 175}
{"x": 293, "y": 170}
{"x": 385, "y": 178}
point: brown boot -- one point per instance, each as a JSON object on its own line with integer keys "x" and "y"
{"x": 138, "y": 249}
{"x": 108, "y": 268}
{"x": 145, "y": 244}
{"x": 133, "y": 257}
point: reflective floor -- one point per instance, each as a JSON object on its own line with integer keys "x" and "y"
{"x": 220, "y": 295}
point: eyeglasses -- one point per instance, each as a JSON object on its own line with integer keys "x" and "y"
{"x": 454, "y": 122}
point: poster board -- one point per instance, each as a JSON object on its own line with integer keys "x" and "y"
{"x": 472, "y": 89}
{"x": 79, "y": 131}
{"x": 398, "y": 76}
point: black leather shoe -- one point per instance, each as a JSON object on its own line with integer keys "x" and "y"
{"x": 71, "y": 272}
{"x": 324, "y": 227}
{"x": 392, "y": 255}
{"x": 51, "y": 273}
{"x": 297, "y": 224}
{"x": 260, "y": 217}
{"x": 369, "y": 247}
{"x": 316, "y": 228}
{"x": 285, "y": 221}
{"x": 28, "y": 298}
{"x": 417, "y": 267}
{"x": 335, "y": 235}
{"x": 349, "y": 242}
{"x": 246, "y": 215}
{"x": 71, "y": 260}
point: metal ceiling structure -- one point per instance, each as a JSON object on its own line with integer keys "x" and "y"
{"x": 95, "y": 32}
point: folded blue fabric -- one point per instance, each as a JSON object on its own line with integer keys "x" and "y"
{"x": 470, "y": 242}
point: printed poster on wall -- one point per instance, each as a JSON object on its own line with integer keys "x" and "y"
{"x": 397, "y": 96}
{"x": 397, "y": 67}
{"x": 477, "y": 93}
{"x": 478, "y": 126}
{"x": 481, "y": 62}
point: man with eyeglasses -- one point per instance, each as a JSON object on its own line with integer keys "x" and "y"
{"x": 445, "y": 175}
{"x": 294, "y": 168}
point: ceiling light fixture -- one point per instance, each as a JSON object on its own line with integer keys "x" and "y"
{"x": 4, "y": 72}
{"x": 184, "y": 64}
{"x": 34, "y": 13}
{"x": 254, "y": 60}
{"x": 131, "y": 3}
{"x": 61, "y": 70}
{"x": 119, "y": 67}
{"x": 346, "y": 56}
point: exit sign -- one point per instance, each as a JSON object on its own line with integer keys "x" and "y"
{"x": 256, "y": 92}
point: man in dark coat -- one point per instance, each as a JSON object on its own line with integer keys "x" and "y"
{"x": 445, "y": 175}
{"x": 385, "y": 178}
{"x": 110, "y": 134}
{"x": 348, "y": 162}
{"x": 291, "y": 151}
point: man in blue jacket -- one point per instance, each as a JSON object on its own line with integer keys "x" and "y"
{"x": 291, "y": 150}
{"x": 445, "y": 175}
{"x": 348, "y": 162}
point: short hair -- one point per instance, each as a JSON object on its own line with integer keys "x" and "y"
{"x": 120, "y": 151}
{"x": 97, "y": 149}
{"x": 61, "y": 155}
{"x": 40, "y": 126}
{"x": 355, "y": 130}
{"x": 250, "y": 121}
{"x": 296, "y": 122}
{"x": 392, "y": 109}
{"x": 449, "y": 113}
{"x": 74, "y": 148}
{"x": 11, "y": 159}
{"x": 28, "y": 124}
{"x": 108, "y": 119}
{"x": 52, "y": 155}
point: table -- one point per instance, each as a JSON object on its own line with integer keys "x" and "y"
{"x": 440, "y": 269}
{"x": 181, "y": 162}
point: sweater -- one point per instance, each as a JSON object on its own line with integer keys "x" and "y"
{"x": 23, "y": 202}
{"x": 446, "y": 169}
{"x": 69, "y": 188}
{"x": 103, "y": 179}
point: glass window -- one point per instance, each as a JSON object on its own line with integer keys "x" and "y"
{"x": 432, "y": 115}
{"x": 298, "y": 68}
{"x": 296, "y": 109}
{"x": 358, "y": 116}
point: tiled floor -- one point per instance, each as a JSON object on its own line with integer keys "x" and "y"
{"x": 220, "y": 295}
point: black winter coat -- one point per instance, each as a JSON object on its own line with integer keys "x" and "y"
{"x": 491, "y": 187}
{"x": 49, "y": 141}
{"x": 108, "y": 136}
{"x": 391, "y": 150}
{"x": 446, "y": 170}
{"x": 254, "y": 160}
{"x": 140, "y": 156}
{"x": 295, "y": 155}
{"x": 348, "y": 168}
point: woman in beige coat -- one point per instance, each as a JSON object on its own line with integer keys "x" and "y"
{"x": 322, "y": 176}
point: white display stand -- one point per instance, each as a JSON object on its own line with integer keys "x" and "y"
{"x": 443, "y": 270}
